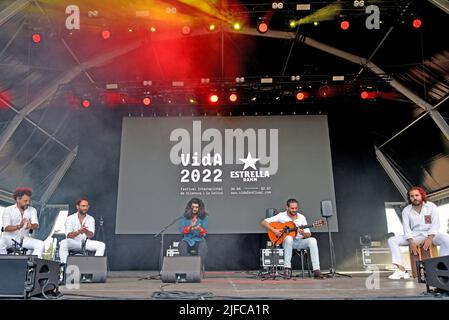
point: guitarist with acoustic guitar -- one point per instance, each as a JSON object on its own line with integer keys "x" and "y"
{"x": 290, "y": 229}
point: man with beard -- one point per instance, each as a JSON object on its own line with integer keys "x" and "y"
{"x": 421, "y": 226}
{"x": 303, "y": 239}
{"x": 193, "y": 226}
{"x": 18, "y": 220}
{"x": 80, "y": 229}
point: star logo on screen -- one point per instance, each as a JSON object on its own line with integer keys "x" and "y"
{"x": 249, "y": 161}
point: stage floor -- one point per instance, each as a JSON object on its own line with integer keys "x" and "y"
{"x": 247, "y": 285}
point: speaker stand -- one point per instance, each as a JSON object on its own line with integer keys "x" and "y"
{"x": 332, "y": 272}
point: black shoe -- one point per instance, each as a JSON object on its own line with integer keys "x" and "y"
{"x": 287, "y": 273}
{"x": 317, "y": 274}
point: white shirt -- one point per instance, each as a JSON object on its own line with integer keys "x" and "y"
{"x": 283, "y": 217}
{"x": 73, "y": 224}
{"x": 420, "y": 224}
{"x": 12, "y": 217}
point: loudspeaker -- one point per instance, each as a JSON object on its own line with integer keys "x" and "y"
{"x": 326, "y": 208}
{"x": 27, "y": 276}
{"x": 91, "y": 269}
{"x": 437, "y": 272}
{"x": 270, "y": 212}
{"x": 181, "y": 269}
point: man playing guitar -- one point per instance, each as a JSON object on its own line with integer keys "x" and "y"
{"x": 302, "y": 240}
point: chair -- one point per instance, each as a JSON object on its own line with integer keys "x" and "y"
{"x": 304, "y": 255}
{"x": 17, "y": 248}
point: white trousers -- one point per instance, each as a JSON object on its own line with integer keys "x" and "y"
{"x": 72, "y": 244}
{"x": 310, "y": 243}
{"x": 394, "y": 243}
{"x": 28, "y": 243}
{"x": 3, "y": 246}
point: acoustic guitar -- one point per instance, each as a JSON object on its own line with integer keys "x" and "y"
{"x": 290, "y": 229}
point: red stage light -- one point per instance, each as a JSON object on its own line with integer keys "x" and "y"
{"x": 344, "y": 25}
{"x": 262, "y": 27}
{"x": 36, "y": 38}
{"x": 146, "y": 101}
{"x": 213, "y": 98}
{"x": 186, "y": 30}
{"x": 417, "y": 23}
{"x": 86, "y": 103}
{"x": 369, "y": 95}
{"x": 233, "y": 97}
{"x": 300, "y": 96}
{"x": 106, "y": 34}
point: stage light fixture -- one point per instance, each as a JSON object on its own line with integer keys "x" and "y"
{"x": 344, "y": 25}
{"x": 262, "y": 27}
{"x": 212, "y": 27}
{"x": 233, "y": 97}
{"x": 186, "y": 30}
{"x": 417, "y": 23}
{"x": 105, "y": 34}
{"x": 36, "y": 37}
{"x": 277, "y": 5}
{"x": 146, "y": 101}
{"x": 237, "y": 26}
{"x": 85, "y": 103}
{"x": 301, "y": 95}
{"x": 213, "y": 98}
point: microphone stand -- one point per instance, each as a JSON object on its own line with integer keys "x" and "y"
{"x": 332, "y": 272}
{"x": 161, "y": 254}
{"x": 162, "y": 233}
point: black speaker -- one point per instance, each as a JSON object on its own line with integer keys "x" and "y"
{"x": 27, "y": 276}
{"x": 88, "y": 268}
{"x": 181, "y": 269}
{"x": 270, "y": 212}
{"x": 437, "y": 272}
{"x": 326, "y": 208}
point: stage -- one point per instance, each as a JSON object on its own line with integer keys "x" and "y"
{"x": 223, "y": 285}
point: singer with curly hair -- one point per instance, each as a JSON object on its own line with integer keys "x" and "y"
{"x": 193, "y": 227}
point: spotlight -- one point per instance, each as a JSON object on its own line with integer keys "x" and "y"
{"x": 237, "y": 26}
{"x": 369, "y": 95}
{"x": 186, "y": 30}
{"x": 417, "y": 23}
{"x": 292, "y": 24}
{"x": 85, "y": 103}
{"x": 146, "y": 101}
{"x": 36, "y": 37}
{"x": 316, "y": 23}
{"x": 262, "y": 27}
{"x": 213, "y": 98}
{"x": 106, "y": 34}
{"x": 233, "y": 97}
{"x": 211, "y": 27}
{"x": 301, "y": 95}
{"x": 344, "y": 25}
{"x": 153, "y": 29}
{"x": 277, "y": 5}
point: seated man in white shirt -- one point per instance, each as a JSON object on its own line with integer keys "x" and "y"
{"x": 421, "y": 225}
{"x": 18, "y": 220}
{"x": 80, "y": 227}
{"x": 303, "y": 239}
